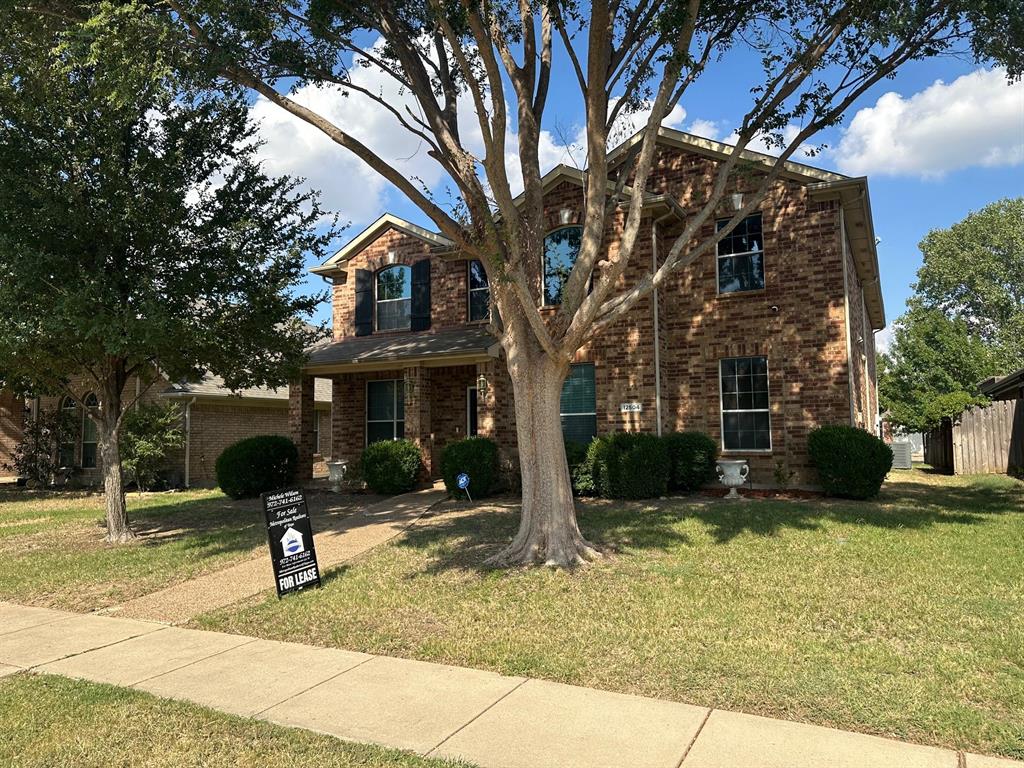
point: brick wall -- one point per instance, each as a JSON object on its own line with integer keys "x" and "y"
{"x": 12, "y": 415}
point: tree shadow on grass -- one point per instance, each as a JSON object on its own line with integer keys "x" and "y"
{"x": 464, "y": 537}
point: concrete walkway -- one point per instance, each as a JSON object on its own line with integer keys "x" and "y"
{"x": 352, "y": 536}
{"x": 488, "y": 719}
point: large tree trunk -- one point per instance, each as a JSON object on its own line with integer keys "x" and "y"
{"x": 118, "y": 530}
{"x": 548, "y": 532}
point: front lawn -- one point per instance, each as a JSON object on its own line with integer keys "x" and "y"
{"x": 902, "y": 617}
{"x": 52, "y": 551}
{"x": 52, "y": 721}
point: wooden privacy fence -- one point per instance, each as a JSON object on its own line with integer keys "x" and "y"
{"x": 988, "y": 440}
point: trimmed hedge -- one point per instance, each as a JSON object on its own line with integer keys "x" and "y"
{"x": 692, "y": 458}
{"x": 851, "y": 462}
{"x": 629, "y": 465}
{"x": 478, "y": 458}
{"x": 579, "y": 469}
{"x": 392, "y": 466}
{"x": 257, "y": 465}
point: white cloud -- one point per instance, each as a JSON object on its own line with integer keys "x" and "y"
{"x": 883, "y": 340}
{"x": 709, "y": 129}
{"x": 978, "y": 119}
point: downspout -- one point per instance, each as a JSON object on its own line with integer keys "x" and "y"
{"x": 846, "y": 313}
{"x": 657, "y": 323}
{"x": 188, "y": 441}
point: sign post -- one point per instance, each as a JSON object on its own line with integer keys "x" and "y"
{"x": 290, "y": 535}
{"x": 463, "y": 481}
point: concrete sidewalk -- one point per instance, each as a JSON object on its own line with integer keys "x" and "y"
{"x": 482, "y": 717}
{"x": 352, "y": 536}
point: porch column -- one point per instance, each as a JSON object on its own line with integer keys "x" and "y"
{"x": 301, "y": 407}
{"x": 348, "y": 417}
{"x": 417, "y": 413}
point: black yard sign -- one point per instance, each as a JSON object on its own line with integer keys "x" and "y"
{"x": 290, "y": 534}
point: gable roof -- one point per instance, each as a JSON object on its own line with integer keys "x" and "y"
{"x": 372, "y": 232}
{"x": 213, "y": 387}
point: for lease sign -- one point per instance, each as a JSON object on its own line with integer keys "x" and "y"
{"x": 290, "y": 535}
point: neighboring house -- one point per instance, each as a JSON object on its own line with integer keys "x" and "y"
{"x": 12, "y": 417}
{"x": 756, "y": 344}
{"x": 212, "y": 419}
{"x": 1009, "y": 387}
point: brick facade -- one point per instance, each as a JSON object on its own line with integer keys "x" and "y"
{"x": 810, "y": 321}
{"x": 12, "y": 416}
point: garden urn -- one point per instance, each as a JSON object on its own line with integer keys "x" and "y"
{"x": 732, "y": 473}
{"x": 336, "y": 474}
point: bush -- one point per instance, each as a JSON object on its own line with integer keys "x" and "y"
{"x": 850, "y": 462}
{"x": 392, "y": 466}
{"x": 148, "y": 433}
{"x": 629, "y": 465}
{"x": 36, "y": 456}
{"x": 691, "y": 458}
{"x": 257, "y": 465}
{"x": 478, "y": 458}
{"x": 579, "y": 469}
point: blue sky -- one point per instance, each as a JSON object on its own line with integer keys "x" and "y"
{"x": 943, "y": 138}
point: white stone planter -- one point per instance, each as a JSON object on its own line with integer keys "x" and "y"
{"x": 732, "y": 473}
{"x": 336, "y": 474}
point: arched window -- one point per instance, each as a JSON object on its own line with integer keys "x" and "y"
{"x": 91, "y": 403}
{"x": 561, "y": 248}
{"x": 394, "y": 298}
{"x": 69, "y": 414}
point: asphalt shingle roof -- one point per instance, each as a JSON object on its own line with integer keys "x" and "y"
{"x": 375, "y": 349}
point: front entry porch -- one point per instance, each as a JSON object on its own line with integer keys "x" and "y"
{"x": 432, "y": 399}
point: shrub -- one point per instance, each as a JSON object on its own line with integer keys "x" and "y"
{"x": 392, "y": 466}
{"x": 147, "y": 434}
{"x": 579, "y": 469}
{"x": 36, "y": 456}
{"x": 692, "y": 459}
{"x": 478, "y": 458}
{"x": 629, "y": 465}
{"x": 850, "y": 462}
{"x": 257, "y": 465}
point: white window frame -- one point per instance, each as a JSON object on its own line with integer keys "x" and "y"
{"x": 719, "y": 257}
{"x": 721, "y": 407}
{"x": 68, "y": 404}
{"x": 86, "y": 420}
{"x": 582, "y": 413}
{"x": 366, "y": 410}
{"x": 470, "y": 290}
{"x": 544, "y": 262}
{"x": 378, "y": 301}
{"x": 469, "y": 409}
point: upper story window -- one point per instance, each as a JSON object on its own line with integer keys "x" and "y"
{"x": 394, "y": 298}
{"x": 479, "y": 292}
{"x": 746, "y": 419}
{"x": 741, "y": 256}
{"x": 561, "y": 248}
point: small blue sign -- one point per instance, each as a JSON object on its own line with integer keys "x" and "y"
{"x": 462, "y": 480}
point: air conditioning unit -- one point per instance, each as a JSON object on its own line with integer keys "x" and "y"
{"x": 901, "y": 455}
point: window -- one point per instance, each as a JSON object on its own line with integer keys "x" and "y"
{"x": 561, "y": 248}
{"x": 479, "y": 292}
{"x": 66, "y": 451}
{"x": 89, "y": 432}
{"x": 385, "y": 410}
{"x": 741, "y": 256}
{"x": 471, "y": 416}
{"x": 579, "y": 404}
{"x": 746, "y": 423}
{"x": 316, "y": 432}
{"x": 394, "y": 298}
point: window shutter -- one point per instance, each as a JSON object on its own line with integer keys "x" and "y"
{"x": 364, "y": 302}
{"x": 420, "y": 310}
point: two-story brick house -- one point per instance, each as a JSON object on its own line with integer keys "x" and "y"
{"x": 756, "y": 344}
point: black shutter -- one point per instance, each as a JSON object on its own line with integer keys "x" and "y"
{"x": 364, "y": 302}
{"x": 420, "y": 311}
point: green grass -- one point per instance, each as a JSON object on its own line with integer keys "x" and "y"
{"x": 52, "y": 550}
{"x": 52, "y": 721}
{"x": 903, "y": 616}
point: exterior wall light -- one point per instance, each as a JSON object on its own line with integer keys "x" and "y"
{"x": 410, "y": 386}
{"x": 737, "y": 200}
{"x": 481, "y": 385}
{"x": 565, "y": 215}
